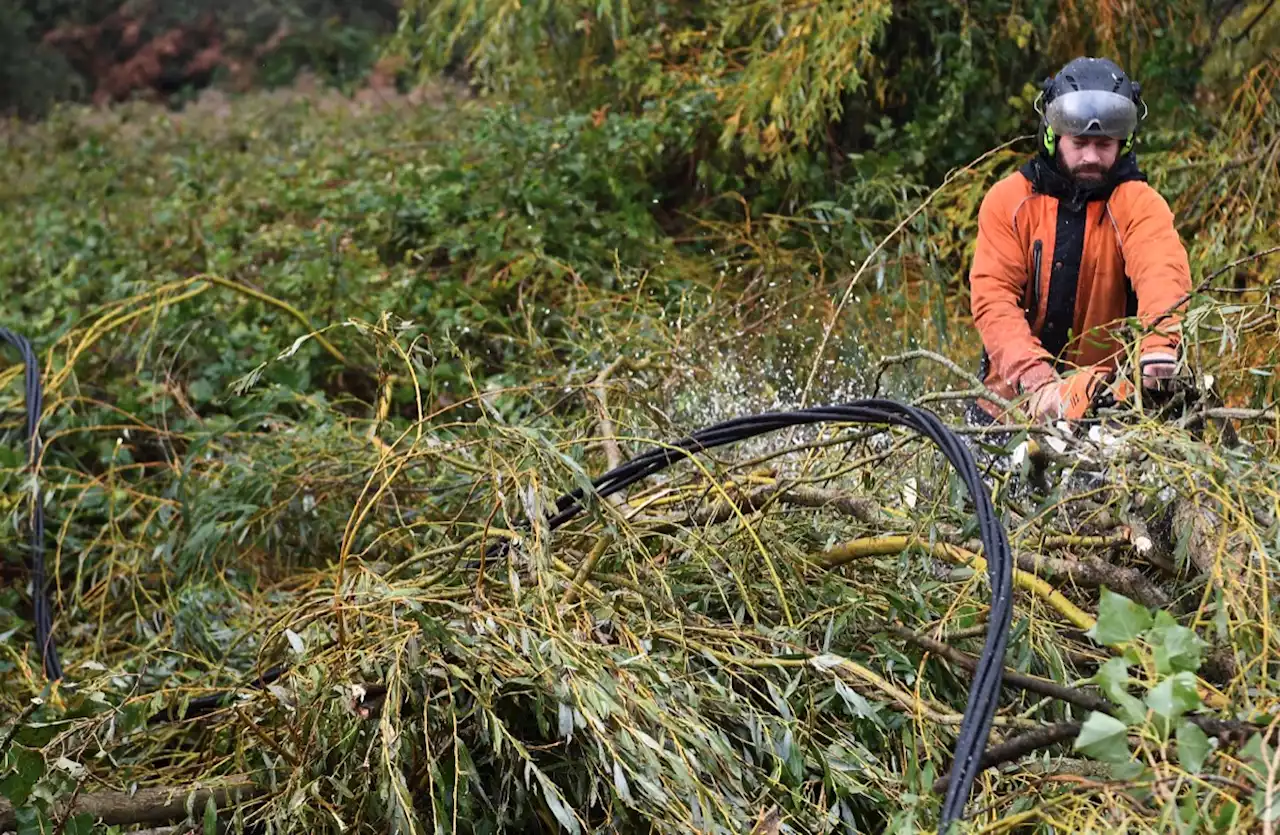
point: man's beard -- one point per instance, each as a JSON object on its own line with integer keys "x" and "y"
{"x": 1088, "y": 174}
{"x": 1085, "y": 174}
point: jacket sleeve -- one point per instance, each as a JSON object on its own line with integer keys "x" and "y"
{"x": 997, "y": 281}
{"x": 1157, "y": 264}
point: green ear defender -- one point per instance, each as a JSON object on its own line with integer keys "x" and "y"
{"x": 1048, "y": 139}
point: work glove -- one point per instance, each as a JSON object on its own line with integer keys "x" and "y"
{"x": 1159, "y": 370}
{"x": 1067, "y": 398}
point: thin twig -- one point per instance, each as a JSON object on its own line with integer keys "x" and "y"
{"x": 978, "y": 387}
{"x": 1244, "y": 33}
{"x": 863, "y": 509}
{"x": 1204, "y": 285}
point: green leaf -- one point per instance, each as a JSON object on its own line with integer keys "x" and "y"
{"x": 1113, "y": 678}
{"x": 201, "y": 390}
{"x": 1120, "y": 620}
{"x": 620, "y": 784}
{"x": 556, "y": 803}
{"x": 1176, "y": 648}
{"x": 295, "y": 642}
{"x": 32, "y": 821}
{"x": 794, "y": 760}
{"x": 1174, "y": 696}
{"x": 26, "y": 767}
{"x": 1228, "y": 816}
{"x": 858, "y": 706}
{"x": 1269, "y": 812}
{"x": 1256, "y": 755}
{"x": 1104, "y": 738}
{"x": 82, "y": 824}
{"x": 210, "y": 817}
{"x": 1193, "y": 747}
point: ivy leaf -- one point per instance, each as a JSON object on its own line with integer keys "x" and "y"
{"x": 1113, "y": 678}
{"x": 1174, "y": 696}
{"x": 1176, "y": 647}
{"x": 1193, "y": 747}
{"x": 27, "y": 767}
{"x": 1120, "y": 620}
{"x": 1266, "y": 812}
{"x": 1103, "y": 738}
{"x": 31, "y": 820}
{"x": 81, "y": 824}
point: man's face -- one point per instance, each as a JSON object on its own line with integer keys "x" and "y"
{"x": 1088, "y": 158}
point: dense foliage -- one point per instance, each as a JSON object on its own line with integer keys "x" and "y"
{"x": 55, "y": 51}
{"x": 308, "y": 355}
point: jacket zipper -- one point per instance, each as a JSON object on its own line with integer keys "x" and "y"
{"x": 1033, "y": 301}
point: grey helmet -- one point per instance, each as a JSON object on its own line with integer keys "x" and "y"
{"x": 1089, "y": 97}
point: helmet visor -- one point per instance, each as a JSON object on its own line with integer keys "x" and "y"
{"x": 1092, "y": 113}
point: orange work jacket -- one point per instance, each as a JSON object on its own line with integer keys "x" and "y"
{"x": 1057, "y": 267}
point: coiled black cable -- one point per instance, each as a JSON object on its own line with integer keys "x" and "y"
{"x": 39, "y": 593}
{"x": 983, "y": 691}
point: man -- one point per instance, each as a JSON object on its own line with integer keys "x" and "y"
{"x": 1069, "y": 246}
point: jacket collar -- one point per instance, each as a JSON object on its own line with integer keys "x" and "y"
{"x": 1046, "y": 178}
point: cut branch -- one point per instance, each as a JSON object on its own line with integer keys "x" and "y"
{"x": 612, "y": 454}
{"x": 146, "y": 806}
{"x": 1092, "y": 572}
{"x": 883, "y": 546}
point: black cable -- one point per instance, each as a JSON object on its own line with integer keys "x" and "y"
{"x": 39, "y": 592}
{"x": 984, "y": 689}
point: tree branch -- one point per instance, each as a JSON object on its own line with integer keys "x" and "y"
{"x": 1244, "y": 33}
{"x": 1032, "y": 684}
{"x": 151, "y": 805}
{"x": 1018, "y": 747}
{"x": 1092, "y": 572}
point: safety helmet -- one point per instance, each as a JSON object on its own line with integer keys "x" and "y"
{"x": 1089, "y": 97}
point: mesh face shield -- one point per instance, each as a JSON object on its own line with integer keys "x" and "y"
{"x": 1092, "y": 113}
